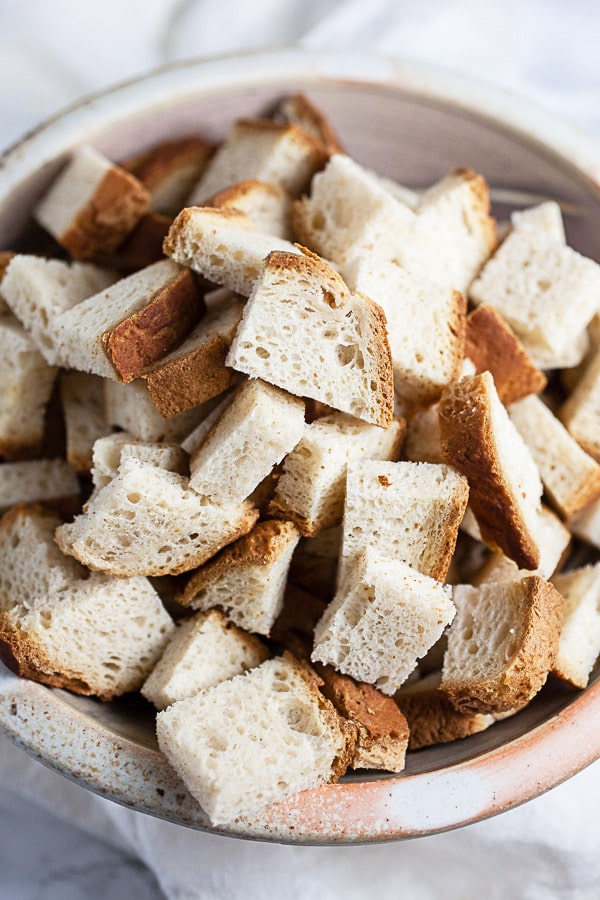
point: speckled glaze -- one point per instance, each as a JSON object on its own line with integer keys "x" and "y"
{"x": 413, "y": 124}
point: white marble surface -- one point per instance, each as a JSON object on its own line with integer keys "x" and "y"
{"x": 57, "y": 842}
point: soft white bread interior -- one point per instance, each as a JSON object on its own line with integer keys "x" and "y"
{"x": 60, "y": 625}
{"x": 203, "y": 651}
{"x": 304, "y": 331}
{"x": 579, "y": 643}
{"x": 581, "y": 412}
{"x": 130, "y": 407}
{"x": 82, "y": 401}
{"x": 36, "y": 481}
{"x": 255, "y": 739}
{"x": 268, "y": 206}
{"x": 502, "y": 644}
{"x": 386, "y": 616}
{"x": 545, "y": 218}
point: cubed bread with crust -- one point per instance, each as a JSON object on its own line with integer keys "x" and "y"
{"x": 268, "y": 206}
{"x": 223, "y": 246}
{"x": 39, "y": 290}
{"x": 256, "y": 429}
{"x": 579, "y": 644}
{"x": 304, "y": 331}
{"x": 581, "y": 412}
{"x": 381, "y": 729}
{"x": 382, "y": 620}
{"x": 92, "y": 205}
{"x": 110, "y": 451}
{"x": 168, "y": 530}
{"x": 431, "y": 717}
{"x": 502, "y": 644}
{"x": 494, "y": 347}
{"x": 27, "y": 381}
{"x": 255, "y": 739}
{"x": 299, "y": 110}
{"x": 426, "y": 326}
{"x": 478, "y": 439}
{"x": 130, "y": 406}
{"x": 570, "y": 476}
{"x": 311, "y": 489}
{"x": 546, "y": 291}
{"x": 279, "y": 153}
{"x": 36, "y": 481}
{"x": 82, "y": 401}
{"x": 247, "y": 579}
{"x": 202, "y": 652}
{"x": 124, "y": 329}
{"x": 406, "y": 511}
{"x": 91, "y": 634}
{"x": 170, "y": 170}
{"x": 195, "y": 371}
{"x": 144, "y": 246}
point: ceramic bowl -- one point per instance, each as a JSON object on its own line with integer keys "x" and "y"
{"x": 410, "y": 123}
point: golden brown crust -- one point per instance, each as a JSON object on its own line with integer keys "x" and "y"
{"x": 259, "y": 547}
{"x": 159, "y": 163}
{"x": 493, "y": 346}
{"x": 118, "y": 203}
{"x": 5, "y": 258}
{"x": 149, "y": 334}
{"x": 213, "y": 219}
{"x": 298, "y": 110}
{"x": 527, "y": 670}
{"x": 467, "y": 443}
{"x": 144, "y": 245}
{"x": 432, "y": 719}
{"x": 193, "y": 377}
{"x": 382, "y": 730}
{"x": 384, "y": 381}
{"x": 230, "y": 196}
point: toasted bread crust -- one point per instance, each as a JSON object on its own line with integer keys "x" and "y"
{"x": 259, "y": 547}
{"x": 116, "y": 207}
{"x": 5, "y": 258}
{"x": 146, "y": 336}
{"x": 214, "y": 217}
{"x": 527, "y": 671}
{"x": 493, "y": 346}
{"x": 433, "y": 720}
{"x": 382, "y": 730}
{"x": 144, "y": 244}
{"x": 153, "y": 167}
{"x": 298, "y": 110}
{"x": 227, "y": 198}
{"x": 467, "y": 443}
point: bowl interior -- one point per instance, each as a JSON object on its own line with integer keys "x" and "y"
{"x": 412, "y": 137}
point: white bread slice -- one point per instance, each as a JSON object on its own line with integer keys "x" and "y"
{"x": 554, "y": 540}
{"x": 478, "y": 439}
{"x": 349, "y": 212}
{"x": 82, "y": 400}
{"x": 27, "y": 381}
{"x": 311, "y": 489}
{"x": 406, "y": 511}
{"x": 92, "y": 205}
{"x": 579, "y": 643}
{"x": 422, "y": 441}
{"x": 197, "y": 436}
{"x": 547, "y": 292}
{"x": 315, "y": 561}
{"x": 195, "y": 371}
{"x": 203, "y": 651}
{"x": 36, "y": 481}
{"x": 586, "y": 525}
{"x": 426, "y": 326}
{"x": 384, "y": 619}
{"x": 132, "y": 324}
{"x": 147, "y": 521}
{"x": 545, "y": 218}
{"x": 255, "y": 431}
{"x": 570, "y": 476}
{"x": 494, "y": 347}
{"x": 110, "y": 451}
{"x": 381, "y": 729}
{"x": 91, "y": 634}
{"x": 268, "y": 151}
{"x": 298, "y": 110}
{"x": 268, "y": 206}
{"x": 502, "y": 644}
{"x": 222, "y": 245}
{"x": 170, "y": 170}
{"x": 581, "y": 412}
{"x": 247, "y": 579}
{"x": 431, "y": 717}
{"x": 39, "y": 290}
{"x": 255, "y": 739}
{"x": 304, "y": 331}
{"x": 129, "y": 406}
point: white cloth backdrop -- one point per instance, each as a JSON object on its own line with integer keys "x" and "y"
{"x": 53, "y": 51}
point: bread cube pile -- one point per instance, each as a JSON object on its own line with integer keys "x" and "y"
{"x": 297, "y": 452}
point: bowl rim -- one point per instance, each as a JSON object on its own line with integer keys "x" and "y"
{"x": 351, "y": 812}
